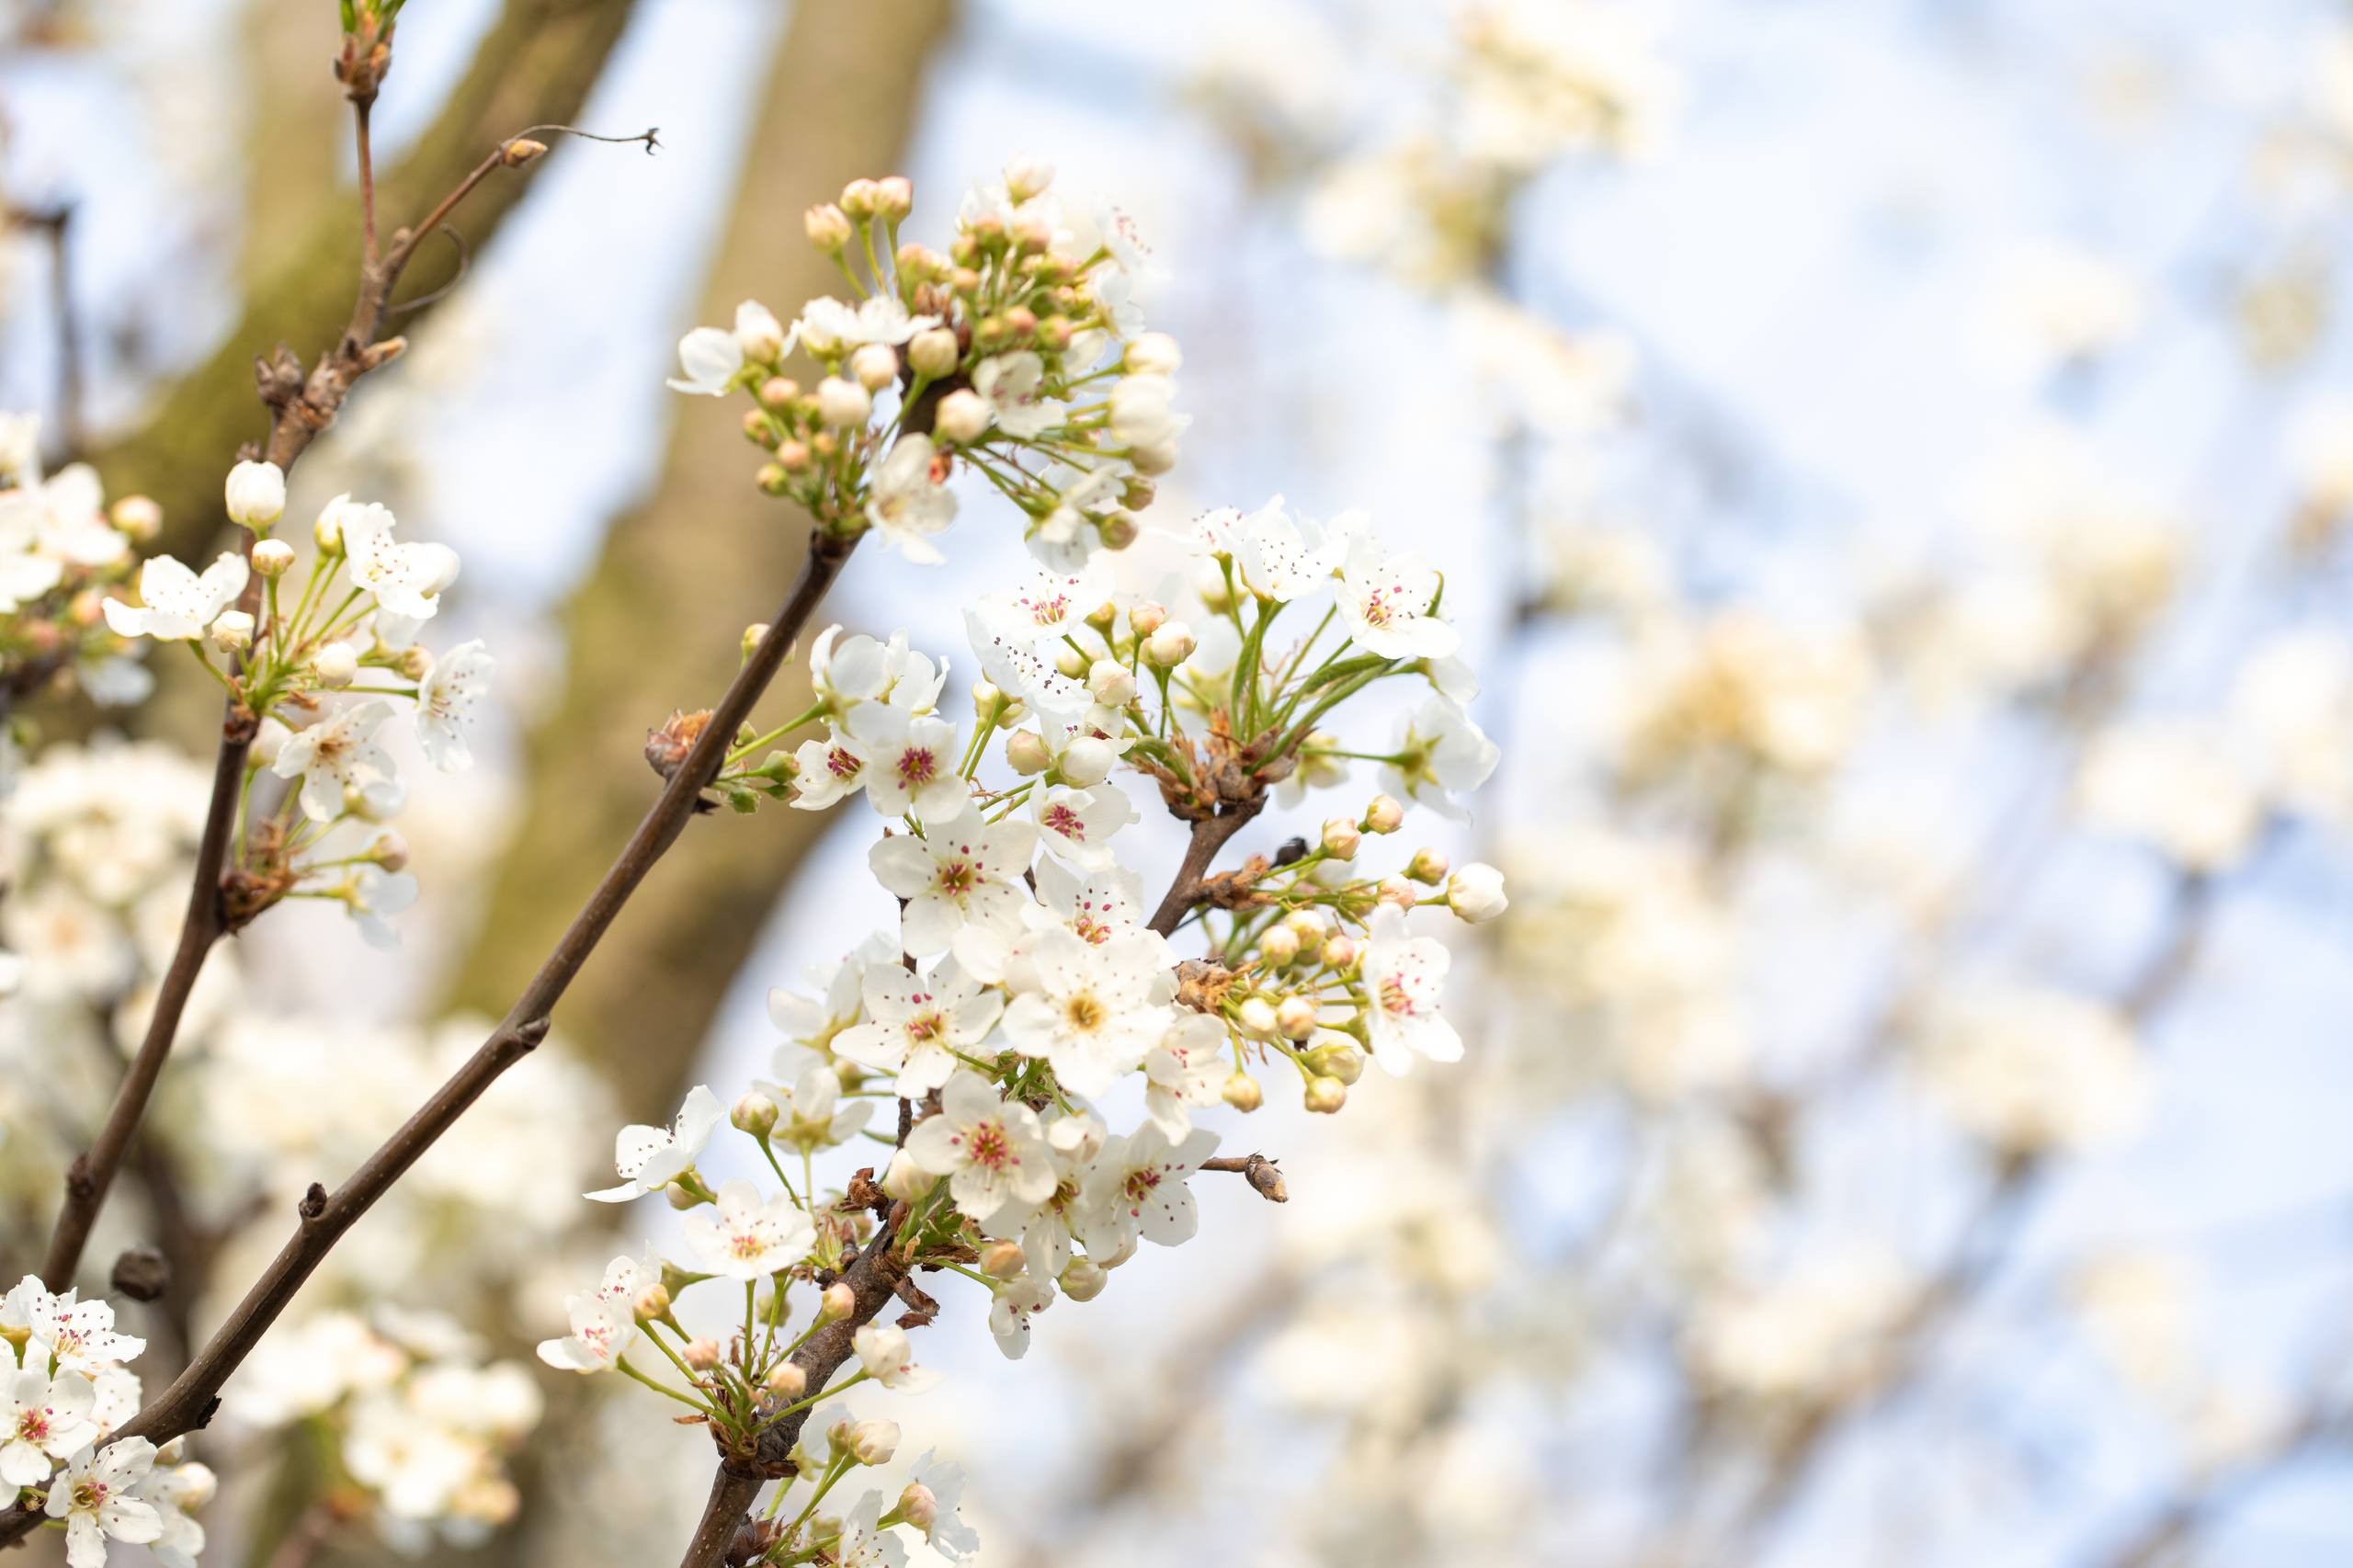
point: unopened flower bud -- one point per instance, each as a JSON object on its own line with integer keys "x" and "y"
{"x": 137, "y": 517}
{"x": 1325, "y": 1095}
{"x": 1001, "y": 1260}
{"x": 1154, "y": 354}
{"x": 1242, "y": 1092}
{"x": 681, "y": 1197}
{"x": 413, "y": 661}
{"x": 1117, "y": 531}
{"x": 1026, "y": 753}
{"x": 963, "y": 416}
{"x": 653, "y": 1303}
{"x": 753, "y": 635}
{"x": 791, "y": 458}
{"x": 895, "y": 197}
{"x": 1340, "y": 951}
{"x": 515, "y": 155}
{"x": 919, "y": 1506}
{"x": 702, "y": 1355}
{"x": 1306, "y": 925}
{"x": 1341, "y": 839}
{"x": 873, "y": 1442}
{"x": 905, "y": 1180}
{"x": 232, "y": 630}
{"x": 327, "y": 532}
{"x": 1384, "y": 816}
{"x": 758, "y": 334}
{"x": 1086, "y": 762}
{"x": 1071, "y": 663}
{"x": 786, "y": 1381}
{"x": 860, "y": 198}
{"x": 1257, "y": 1019}
{"x": 337, "y": 663}
{"x": 268, "y": 740}
{"x": 1169, "y": 645}
{"x": 986, "y": 695}
{"x": 1278, "y": 945}
{"x": 256, "y": 494}
{"x": 754, "y": 1113}
{"x": 838, "y": 1301}
{"x": 1153, "y": 457}
{"x": 934, "y": 352}
{"x": 389, "y": 851}
{"x": 827, "y": 227}
{"x": 876, "y": 366}
{"x": 1296, "y": 1018}
{"x": 776, "y": 393}
{"x": 1399, "y": 892}
{"x": 1027, "y": 178}
{"x": 1427, "y": 866}
{"x": 271, "y": 557}
{"x": 1337, "y": 1056}
{"x": 843, "y": 405}
{"x": 1144, "y": 619}
{"x": 1084, "y": 1279}
{"x": 1111, "y": 683}
{"x": 1476, "y": 892}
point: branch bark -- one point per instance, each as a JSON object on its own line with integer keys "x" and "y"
{"x": 1210, "y": 836}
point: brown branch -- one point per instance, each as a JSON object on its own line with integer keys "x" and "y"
{"x": 1266, "y": 1179}
{"x": 1210, "y": 836}
{"x": 302, "y": 407}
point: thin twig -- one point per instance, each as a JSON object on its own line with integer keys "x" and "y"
{"x": 1210, "y": 836}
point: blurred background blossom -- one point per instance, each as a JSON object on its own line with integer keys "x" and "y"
{"x": 1894, "y": 458}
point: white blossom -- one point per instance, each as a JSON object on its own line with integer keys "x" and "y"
{"x": 177, "y": 604}
{"x": 1386, "y": 601}
{"x": 604, "y": 1321}
{"x": 42, "y": 1419}
{"x": 1402, "y": 976}
{"x": 95, "y": 1497}
{"x": 744, "y": 1236}
{"x": 906, "y": 503}
{"x": 650, "y": 1158}
{"x": 1090, "y": 1010}
{"x": 964, "y": 871}
{"x": 1137, "y": 1187}
{"x": 445, "y": 700}
{"x": 405, "y": 579}
{"x": 1078, "y": 825}
{"x": 991, "y": 1151}
{"x": 1009, "y": 384}
{"x": 335, "y": 754}
{"x": 920, "y": 1025}
{"x": 910, "y": 768}
{"x": 890, "y": 1359}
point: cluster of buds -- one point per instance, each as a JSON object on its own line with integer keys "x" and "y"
{"x": 1019, "y": 353}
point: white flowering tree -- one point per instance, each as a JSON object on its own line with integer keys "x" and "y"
{"x": 942, "y": 1118}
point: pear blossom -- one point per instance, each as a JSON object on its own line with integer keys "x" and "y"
{"x": 920, "y": 1025}
{"x": 255, "y": 495}
{"x": 1069, "y": 535}
{"x": 814, "y": 1021}
{"x": 1402, "y": 976}
{"x": 41, "y": 1419}
{"x": 829, "y": 326}
{"x": 744, "y": 1236}
{"x": 445, "y": 700}
{"x": 1013, "y": 665}
{"x": 912, "y": 761}
{"x": 173, "y": 1491}
{"x": 711, "y": 358}
{"x": 864, "y": 1543}
{"x": 947, "y": 1533}
{"x": 1090, "y": 1010}
{"x": 79, "y": 1334}
{"x": 650, "y": 1158}
{"x": 333, "y": 754}
{"x": 95, "y": 1497}
{"x": 991, "y": 1151}
{"x": 1009, "y": 384}
{"x": 825, "y": 771}
{"x": 604, "y": 1321}
{"x": 1011, "y": 1309}
{"x": 176, "y": 604}
{"x": 1442, "y": 752}
{"x": 1281, "y": 558}
{"x": 1186, "y": 1069}
{"x": 405, "y": 579}
{"x": 1050, "y": 605}
{"x": 858, "y": 669}
{"x": 1386, "y": 600}
{"x": 813, "y": 1114}
{"x": 889, "y": 1358}
{"x": 1078, "y": 825}
{"x": 1141, "y": 415}
{"x": 1137, "y": 1186}
{"x": 963, "y": 871}
{"x": 908, "y": 504}
{"x": 372, "y": 894}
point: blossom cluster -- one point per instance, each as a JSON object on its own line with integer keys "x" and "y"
{"x": 1029, "y": 977}
{"x": 318, "y": 679}
{"x": 64, "y": 1388}
{"x": 62, "y": 550}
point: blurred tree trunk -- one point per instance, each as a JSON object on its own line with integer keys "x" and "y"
{"x": 656, "y": 627}
{"x": 298, "y": 138}
{"x": 537, "y": 64}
